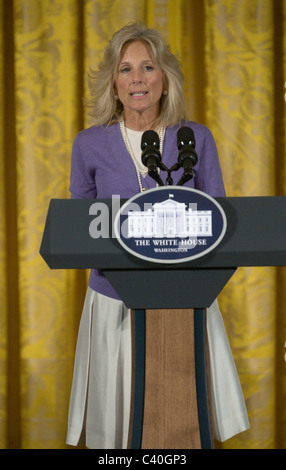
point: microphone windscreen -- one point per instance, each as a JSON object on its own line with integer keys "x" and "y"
{"x": 185, "y": 136}
{"x": 150, "y": 138}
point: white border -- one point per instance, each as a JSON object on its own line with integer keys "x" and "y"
{"x": 169, "y": 261}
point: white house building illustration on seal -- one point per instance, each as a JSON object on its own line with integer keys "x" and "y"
{"x": 170, "y": 219}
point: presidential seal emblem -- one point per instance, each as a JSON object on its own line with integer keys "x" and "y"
{"x": 170, "y": 224}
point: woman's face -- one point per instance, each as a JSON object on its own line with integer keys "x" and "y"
{"x": 139, "y": 83}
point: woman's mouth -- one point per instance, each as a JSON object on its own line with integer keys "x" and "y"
{"x": 139, "y": 93}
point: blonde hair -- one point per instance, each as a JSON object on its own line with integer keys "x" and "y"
{"x": 105, "y": 108}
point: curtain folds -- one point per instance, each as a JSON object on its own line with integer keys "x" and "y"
{"x": 233, "y": 58}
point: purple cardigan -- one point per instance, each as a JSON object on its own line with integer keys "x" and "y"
{"x": 101, "y": 167}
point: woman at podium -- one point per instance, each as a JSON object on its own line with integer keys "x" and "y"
{"x": 137, "y": 87}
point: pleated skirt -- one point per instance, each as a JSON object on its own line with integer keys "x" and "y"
{"x": 99, "y": 409}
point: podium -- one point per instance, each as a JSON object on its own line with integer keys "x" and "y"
{"x": 169, "y": 406}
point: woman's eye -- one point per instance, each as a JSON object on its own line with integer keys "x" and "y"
{"x": 149, "y": 68}
{"x": 125, "y": 69}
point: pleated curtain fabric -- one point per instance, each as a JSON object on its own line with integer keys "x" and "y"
{"x": 233, "y": 59}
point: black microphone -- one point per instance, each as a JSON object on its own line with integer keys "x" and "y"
{"x": 151, "y": 156}
{"x": 187, "y": 157}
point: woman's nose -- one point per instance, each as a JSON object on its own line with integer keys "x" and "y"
{"x": 137, "y": 77}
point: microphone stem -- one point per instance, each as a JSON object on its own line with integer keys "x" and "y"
{"x": 186, "y": 177}
{"x": 169, "y": 180}
{"x": 155, "y": 175}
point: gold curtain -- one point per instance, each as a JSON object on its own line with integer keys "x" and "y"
{"x": 233, "y": 56}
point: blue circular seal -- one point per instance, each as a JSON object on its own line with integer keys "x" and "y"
{"x": 170, "y": 224}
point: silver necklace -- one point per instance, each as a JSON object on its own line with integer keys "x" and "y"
{"x": 161, "y": 133}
